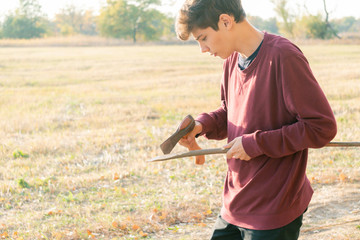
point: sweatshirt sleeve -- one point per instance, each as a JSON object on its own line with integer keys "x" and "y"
{"x": 315, "y": 124}
{"x": 214, "y": 124}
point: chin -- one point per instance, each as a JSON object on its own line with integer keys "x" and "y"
{"x": 224, "y": 56}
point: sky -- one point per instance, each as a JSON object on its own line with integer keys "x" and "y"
{"x": 262, "y": 8}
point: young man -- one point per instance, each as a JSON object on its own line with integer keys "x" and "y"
{"x": 272, "y": 110}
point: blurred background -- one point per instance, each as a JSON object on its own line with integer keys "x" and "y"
{"x": 152, "y": 20}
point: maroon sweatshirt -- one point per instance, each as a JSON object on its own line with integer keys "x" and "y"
{"x": 280, "y": 110}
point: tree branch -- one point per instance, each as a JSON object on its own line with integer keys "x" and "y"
{"x": 328, "y": 25}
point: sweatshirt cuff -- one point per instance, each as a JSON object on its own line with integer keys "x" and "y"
{"x": 205, "y": 120}
{"x": 250, "y": 145}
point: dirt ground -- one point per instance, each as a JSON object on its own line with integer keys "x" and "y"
{"x": 333, "y": 214}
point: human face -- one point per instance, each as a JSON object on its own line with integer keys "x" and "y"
{"x": 213, "y": 42}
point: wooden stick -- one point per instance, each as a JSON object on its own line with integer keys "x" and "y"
{"x": 343, "y": 144}
{"x": 190, "y": 154}
{"x": 212, "y": 151}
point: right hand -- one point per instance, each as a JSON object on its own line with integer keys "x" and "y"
{"x": 189, "y": 140}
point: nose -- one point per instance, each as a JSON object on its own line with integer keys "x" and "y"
{"x": 204, "y": 48}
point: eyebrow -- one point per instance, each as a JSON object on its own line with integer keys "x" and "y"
{"x": 198, "y": 37}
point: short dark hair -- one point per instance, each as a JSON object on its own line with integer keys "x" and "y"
{"x": 205, "y": 13}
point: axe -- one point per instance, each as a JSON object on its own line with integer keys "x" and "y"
{"x": 185, "y": 127}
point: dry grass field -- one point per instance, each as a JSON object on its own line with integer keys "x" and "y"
{"x": 77, "y": 125}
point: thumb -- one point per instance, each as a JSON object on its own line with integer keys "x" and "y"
{"x": 230, "y": 144}
{"x": 230, "y": 153}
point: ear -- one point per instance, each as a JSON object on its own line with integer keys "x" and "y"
{"x": 226, "y": 21}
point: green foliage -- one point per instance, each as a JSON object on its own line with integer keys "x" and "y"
{"x": 287, "y": 24}
{"x": 20, "y": 154}
{"x": 22, "y": 183}
{"x": 26, "y": 22}
{"x": 72, "y": 21}
{"x": 29, "y": 8}
{"x": 269, "y": 25}
{"x": 347, "y": 24}
{"x": 316, "y": 27}
{"x": 70, "y": 197}
{"x": 311, "y": 26}
{"x": 21, "y": 27}
{"x": 132, "y": 20}
{"x": 304, "y": 26}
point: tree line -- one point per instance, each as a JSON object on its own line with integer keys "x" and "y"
{"x": 123, "y": 19}
{"x": 140, "y": 20}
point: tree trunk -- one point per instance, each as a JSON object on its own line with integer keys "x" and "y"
{"x": 134, "y": 34}
{"x": 328, "y": 25}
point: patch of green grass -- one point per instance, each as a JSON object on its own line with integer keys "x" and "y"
{"x": 22, "y": 183}
{"x": 20, "y": 154}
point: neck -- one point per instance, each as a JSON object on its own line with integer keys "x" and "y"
{"x": 247, "y": 38}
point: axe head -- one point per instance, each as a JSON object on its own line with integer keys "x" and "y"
{"x": 186, "y": 126}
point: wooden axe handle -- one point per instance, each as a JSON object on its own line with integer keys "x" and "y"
{"x": 200, "y": 159}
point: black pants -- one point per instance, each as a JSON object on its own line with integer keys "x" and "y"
{"x": 226, "y": 231}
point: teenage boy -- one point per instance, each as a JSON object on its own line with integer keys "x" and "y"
{"x": 272, "y": 110}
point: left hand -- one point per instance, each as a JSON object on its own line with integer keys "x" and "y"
{"x": 236, "y": 150}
